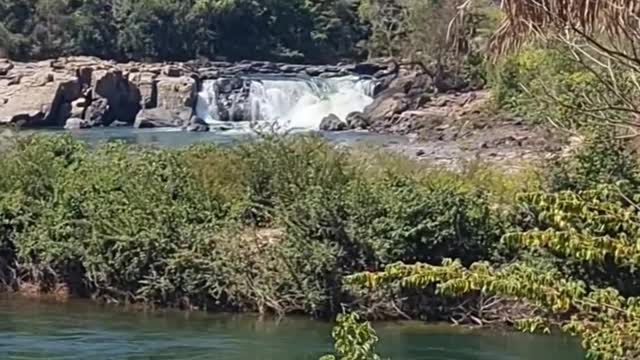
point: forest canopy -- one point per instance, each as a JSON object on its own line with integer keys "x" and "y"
{"x": 322, "y": 30}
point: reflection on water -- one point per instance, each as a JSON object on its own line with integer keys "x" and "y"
{"x": 83, "y": 331}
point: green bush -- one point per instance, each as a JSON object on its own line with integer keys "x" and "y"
{"x": 544, "y": 84}
{"x": 600, "y": 159}
{"x": 269, "y": 225}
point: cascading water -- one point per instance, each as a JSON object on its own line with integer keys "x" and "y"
{"x": 291, "y": 103}
{"x": 207, "y": 104}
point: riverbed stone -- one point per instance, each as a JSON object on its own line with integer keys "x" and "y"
{"x": 332, "y": 122}
{"x": 197, "y": 124}
{"x": 357, "y": 120}
{"x": 76, "y": 123}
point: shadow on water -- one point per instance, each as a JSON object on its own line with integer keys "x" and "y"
{"x": 81, "y": 330}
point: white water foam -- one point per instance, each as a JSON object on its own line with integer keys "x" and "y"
{"x": 295, "y": 103}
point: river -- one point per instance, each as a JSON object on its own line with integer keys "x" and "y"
{"x": 81, "y": 330}
{"x": 173, "y": 138}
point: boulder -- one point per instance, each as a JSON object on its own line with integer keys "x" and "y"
{"x": 5, "y": 67}
{"x": 357, "y": 120}
{"x": 158, "y": 117}
{"x": 385, "y": 106}
{"x": 196, "y": 124}
{"x": 76, "y": 123}
{"x": 332, "y": 122}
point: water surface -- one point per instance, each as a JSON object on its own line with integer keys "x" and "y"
{"x": 175, "y": 138}
{"x": 83, "y": 331}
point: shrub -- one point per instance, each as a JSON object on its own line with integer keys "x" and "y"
{"x": 354, "y": 340}
{"x": 272, "y": 225}
{"x": 601, "y": 159}
{"x": 545, "y": 84}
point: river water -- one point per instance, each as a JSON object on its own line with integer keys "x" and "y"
{"x": 85, "y": 331}
{"x": 175, "y": 138}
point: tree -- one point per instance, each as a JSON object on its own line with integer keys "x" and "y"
{"x": 593, "y": 228}
{"x": 601, "y": 36}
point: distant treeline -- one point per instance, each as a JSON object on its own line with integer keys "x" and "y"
{"x": 295, "y": 30}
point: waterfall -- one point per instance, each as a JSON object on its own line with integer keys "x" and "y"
{"x": 291, "y": 103}
{"x": 207, "y": 104}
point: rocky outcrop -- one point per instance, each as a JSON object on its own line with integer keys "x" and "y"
{"x": 37, "y": 95}
{"x": 218, "y": 69}
{"x": 99, "y": 92}
{"x": 332, "y": 123}
{"x": 48, "y": 93}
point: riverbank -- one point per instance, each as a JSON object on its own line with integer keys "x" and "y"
{"x": 279, "y": 225}
{"x": 182, "y": 227}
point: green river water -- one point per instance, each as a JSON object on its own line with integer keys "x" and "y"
{"x": 85, "y": 331}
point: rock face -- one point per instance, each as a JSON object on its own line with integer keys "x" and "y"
{"x": 36, "y": 95}
{"x": 47, "y": 93}
{"x": 332, "y": 123}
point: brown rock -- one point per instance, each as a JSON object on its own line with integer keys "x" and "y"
{"x": 147, "y": 86}
{"x": 15, "y": 80}
{"x": 172, "y": 71}
{"x": 157, "y": 118}
{"x": 98, "y": 113}
{"x": 357, "y": 120}
{"x": 38, "y": 99}
{"x": 5, "y": 67}
{"x": 385, "y": 106}
{"x": 176, "y": 92}
{"x": 122, "y": 97}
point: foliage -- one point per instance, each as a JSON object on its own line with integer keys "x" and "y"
{"x": 298, "y": 30}
{"x": 545, "y": 85}
{"x": 421, "y": 31}
{"x": 596, "y": 230}
{"x": 354, "y": 340}
{"x": 607, "y": 322}
{"x": 600, "y": 86}
{"x": 600, "y": 159}
{"x": 272, "y": 225}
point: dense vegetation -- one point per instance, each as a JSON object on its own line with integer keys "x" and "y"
{"x": 317, "y": 30}
{"x": 314, "y": 31}
{"x": 574, "y": 241}
{"x": 271, "y": 226}
{"x": 292, "y": 225}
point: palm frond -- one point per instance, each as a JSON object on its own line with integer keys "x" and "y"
{"x": 527, "y": 18}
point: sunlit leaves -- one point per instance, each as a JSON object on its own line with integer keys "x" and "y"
{"x": 353, "y": 339}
